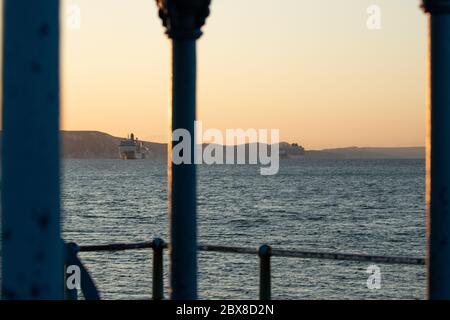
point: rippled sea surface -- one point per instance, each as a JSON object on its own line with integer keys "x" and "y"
{"x": 355, "y": 206}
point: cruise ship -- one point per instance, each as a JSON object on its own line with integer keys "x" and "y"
{"x": 131, "y": 149}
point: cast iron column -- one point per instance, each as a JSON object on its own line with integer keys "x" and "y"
{"x": 32, "y": 251}
{"x": 183, "y": 20}
{"x": 438, "y": 149}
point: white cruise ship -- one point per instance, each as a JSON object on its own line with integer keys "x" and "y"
{"x": 131, "y": 149}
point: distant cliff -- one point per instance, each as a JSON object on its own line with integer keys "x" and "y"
{"x": 378, "y": 153}
{"x": 99, "y": 145}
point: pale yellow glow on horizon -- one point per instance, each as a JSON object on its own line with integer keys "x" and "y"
{"x": 311, "y": 69}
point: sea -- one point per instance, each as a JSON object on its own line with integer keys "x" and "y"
{"x": 374, "y": 207}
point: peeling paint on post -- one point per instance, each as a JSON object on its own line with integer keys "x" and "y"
{"x": 438, "y": 149}
{"x": 183, "y": 20}
{"x": 32, "y": 262}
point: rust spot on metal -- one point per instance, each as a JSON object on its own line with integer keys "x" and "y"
{"x": 43, "y": 221}
{"x": 36, "y": 67}
{"x": 6, "y": 235}
{"x": 43, "y": 30}
{"x": 42, "y": 218}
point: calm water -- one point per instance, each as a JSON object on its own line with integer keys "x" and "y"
{"x": 357, "y": 206}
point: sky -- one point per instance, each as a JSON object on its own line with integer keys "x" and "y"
{"x": 312, "y": 69}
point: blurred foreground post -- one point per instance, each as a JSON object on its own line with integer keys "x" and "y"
{"x": 183, "y": 20}
{"x": 438, "y": 149}
{"x": 32, "y": 251}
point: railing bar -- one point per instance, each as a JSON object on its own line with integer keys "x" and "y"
{"x": 319, "y": 255}
{"x": 275, "y": 252}
{"x": 348, "y": 256}
{"x": 228, "y": 249}
{"x": 116, "y": 247}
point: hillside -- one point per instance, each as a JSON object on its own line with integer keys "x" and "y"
{"x": 378, "y": 153}
{"x": 99, "y": 145}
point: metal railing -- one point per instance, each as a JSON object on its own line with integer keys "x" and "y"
{"x": 265, "y": 252}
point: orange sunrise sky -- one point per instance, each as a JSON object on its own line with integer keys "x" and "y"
{"x": 309, "y": 68}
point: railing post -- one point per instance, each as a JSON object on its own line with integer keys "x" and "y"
{"x": 183, "y": 20}
{"x": 32, "y": 250}
{"x": 87, "y": 285}
{"x": 438, "y": 149}
{"x": 158, "y": 281}
{"x": 265, "y": 252}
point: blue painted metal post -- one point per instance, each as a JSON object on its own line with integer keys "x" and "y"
{"x": 32, "y": 262}
{"x": 183, "y": 20}
{"x": 158, "y": 279}
{"x": 265, "y": 252}
{"x": 438, "y": 149}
